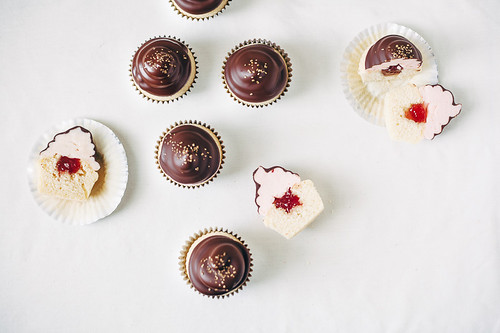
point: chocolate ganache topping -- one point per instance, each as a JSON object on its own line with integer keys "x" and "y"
{"x": 199, "y": 7}
{"x": 389, "y": 48}
{"x": 163, "y": 67}
{"x": 218, "y": 265}
{"x": 190, "y": 154}
{"x": 256, "y": 73}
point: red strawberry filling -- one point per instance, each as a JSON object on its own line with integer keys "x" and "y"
{"x": 67, "y": 164}
{"x": 288, "y": 201}
{"x": 417, "y": 113}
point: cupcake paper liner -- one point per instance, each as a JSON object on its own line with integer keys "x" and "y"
{"x": 224, "y": 4}
{"x": 189, "y": 122}
{"x": 181, "y": 93}
{"x": 357, "y": 93}
{"x": 277, "y": 48}
{"x": 211, "y": 231}
{"x": 109, "y": 188}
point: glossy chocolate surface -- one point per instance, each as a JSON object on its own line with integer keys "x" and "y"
{"x": 256, "y": 73}
{"x": 218, "y": 265}
{"x": 198, "y": 7}
{"x": 190, "y": 154}
{"x": 162, "y": 66}
{"x": 391, "y": 47}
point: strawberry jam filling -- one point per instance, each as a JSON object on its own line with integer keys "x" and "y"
{"x": 67, "y": 164}
{"x": 417, "y": 113}
{"x": 288, "y": 201}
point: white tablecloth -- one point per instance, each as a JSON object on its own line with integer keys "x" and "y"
{"x": 410, "y": 237}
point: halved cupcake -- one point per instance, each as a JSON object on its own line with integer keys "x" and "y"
{"x": 67, "y": 167}
{"x": 286, "y": 203}
{"x": 412, "y": 113}
{"x": 391, "y": 61}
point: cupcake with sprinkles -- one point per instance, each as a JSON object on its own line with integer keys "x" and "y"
{"x": 199, "y": 9}
{"x": 257, "y": 73}
{"x": 190, "y": 154}
{"x": 163, "y": 69}
{"x": 216, "y": 263}
{"x": 382, "y": 58}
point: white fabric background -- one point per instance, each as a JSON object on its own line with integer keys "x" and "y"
{"x": 410, "y": 237}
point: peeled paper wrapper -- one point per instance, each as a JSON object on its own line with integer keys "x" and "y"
{"x": 107, "y": 191}
{"x": 367, "y": 105}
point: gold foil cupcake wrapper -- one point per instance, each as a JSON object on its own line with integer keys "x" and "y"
{"x": 277, "y": 48}
{"x": 174, "y": 97}
{"x": 190, "y": 122}
{"x": 362, "y": 101}
{"x": 185, "y": 249}
{"x": 207, "y": 16}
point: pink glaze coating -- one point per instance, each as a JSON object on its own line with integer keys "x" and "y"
{"x": 272, "y": 183}
{"x": 441, "y": 108}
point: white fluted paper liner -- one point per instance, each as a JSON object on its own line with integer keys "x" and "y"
{"x": 109, "y": 188}
{"x": 357, "y": 93}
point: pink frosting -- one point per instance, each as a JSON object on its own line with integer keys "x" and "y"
{"x": 440, "y": 109}
{"x": 271, "y": 184}
{"x": 74, "y": 143}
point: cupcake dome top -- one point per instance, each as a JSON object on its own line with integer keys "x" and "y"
{"x": 190, "y": 154}
{"x": 256, "y": 73}
{"x": 218, "y": 264}
{"x": 163, "y": 68}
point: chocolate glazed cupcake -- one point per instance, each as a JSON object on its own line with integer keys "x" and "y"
{"x": 199, "y": 9}
{"x": 216, "y": 263}
{"x": 163, "y": 69}
{"x": 190, "y": 154}
{"x": 257, "y": 73}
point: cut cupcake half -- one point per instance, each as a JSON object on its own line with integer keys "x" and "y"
{"x": 67, "y": 168}
{"x": 390, "y": 62}
{"x": 413, "y": 113}
{"x": 286, "y": 203}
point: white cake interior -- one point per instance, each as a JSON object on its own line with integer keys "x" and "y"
{"x": 396, "y": 102}
{"x": 64, "y": 185}
{"x": 299, "y": 217}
